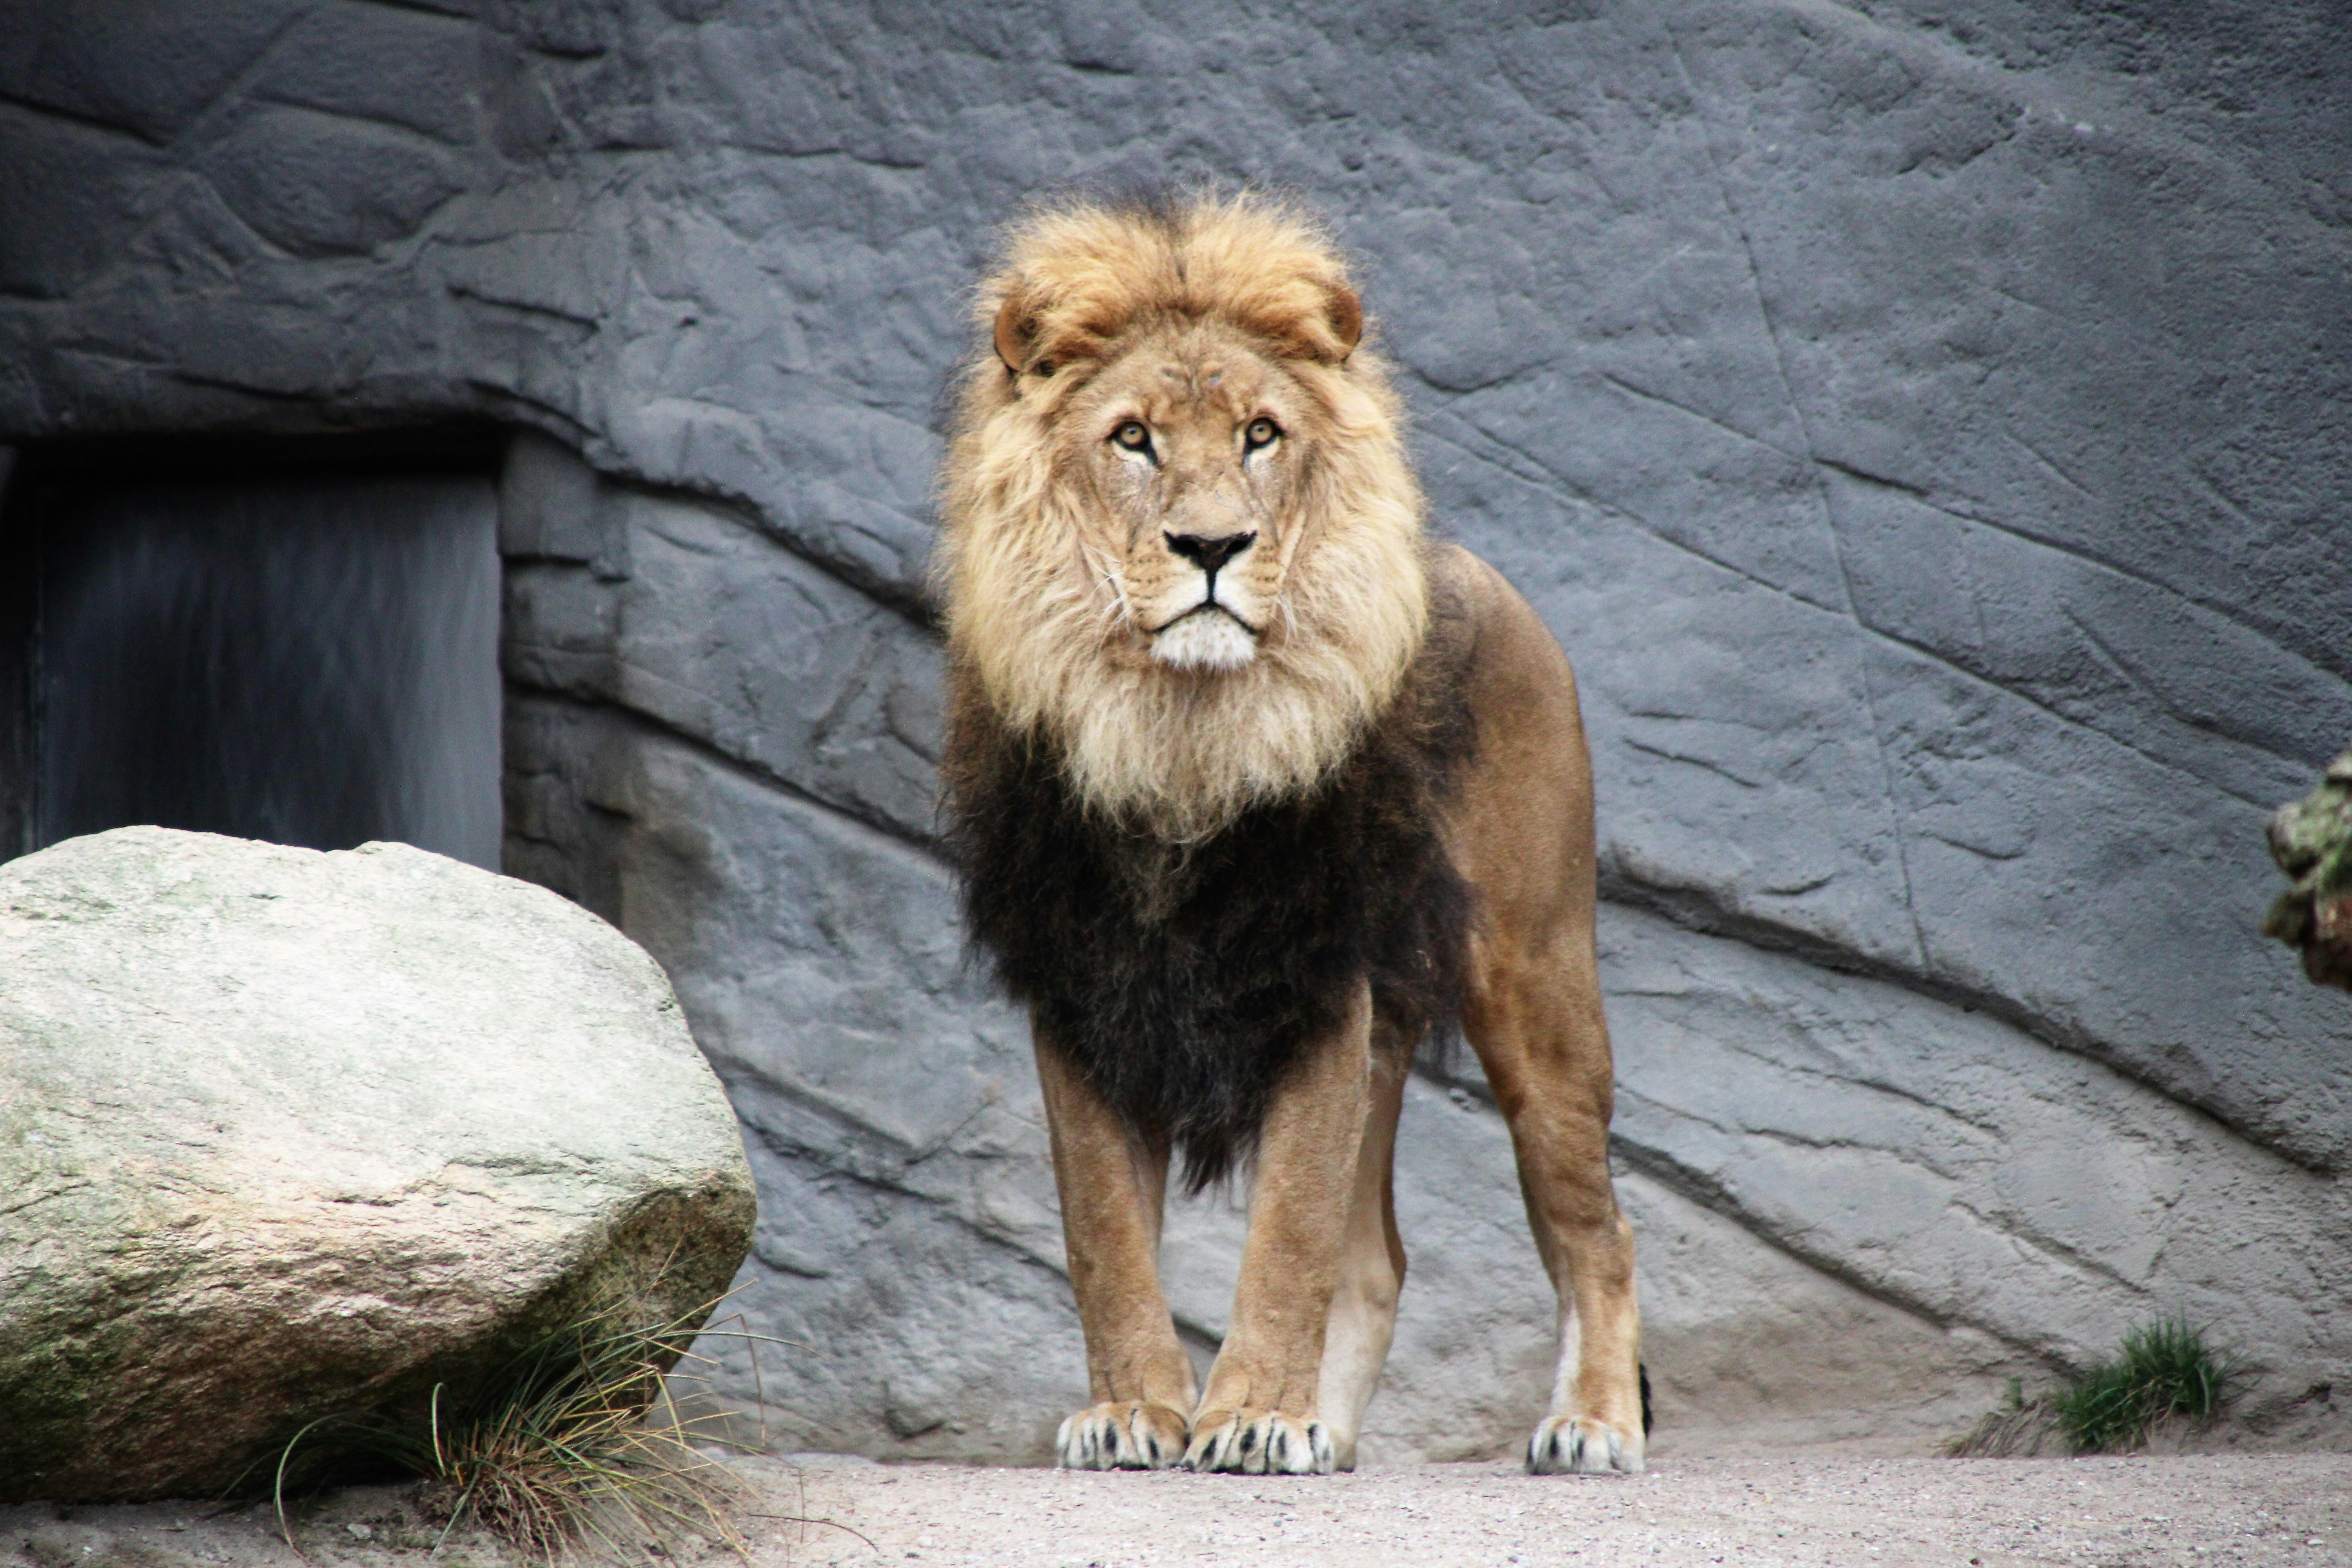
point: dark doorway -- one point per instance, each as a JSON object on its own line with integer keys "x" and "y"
{"x": 295, "y": 641}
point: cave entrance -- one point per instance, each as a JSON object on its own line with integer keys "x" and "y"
{"x": 293, "y": 640}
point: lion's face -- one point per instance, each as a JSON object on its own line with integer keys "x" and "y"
{"x": 1180, "y": 536}
{"x": 1194, "y": 450}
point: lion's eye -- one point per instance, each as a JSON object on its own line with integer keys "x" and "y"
{"x": 1261, "y": 433}
{"x": 1133, "y": 437}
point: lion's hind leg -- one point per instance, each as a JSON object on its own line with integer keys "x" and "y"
{"x": 1536, "y": 1021}
{"x": 1371, "y": 1270}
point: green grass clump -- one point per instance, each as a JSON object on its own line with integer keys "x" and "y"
{"x": 2164, "y": 1369}
{"x": 579, "y": 1445}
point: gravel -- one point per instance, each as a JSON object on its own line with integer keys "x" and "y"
{"x": 815, "y": 1510}
{"x": 2128, "y": 1512}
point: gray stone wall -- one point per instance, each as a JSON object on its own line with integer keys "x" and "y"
{"x": 1921, "y": 425}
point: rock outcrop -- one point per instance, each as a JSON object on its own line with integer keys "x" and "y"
{"x": 284, "y": 1134}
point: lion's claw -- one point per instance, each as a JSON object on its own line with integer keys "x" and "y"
{"x": 1578, "y": 1444}
{"x": 1124, "y": 1435}
{"x": 1261, "y": 1442}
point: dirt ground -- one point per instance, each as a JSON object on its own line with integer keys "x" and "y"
{"x": 2237, "y": 1508}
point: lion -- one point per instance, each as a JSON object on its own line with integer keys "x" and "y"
{"x": 1252, "y": 785}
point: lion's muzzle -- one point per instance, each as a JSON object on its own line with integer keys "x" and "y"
{"x": 1208, "y": 636}
{"x": 1212, "y": 632}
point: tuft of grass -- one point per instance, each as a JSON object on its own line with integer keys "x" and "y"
{"x": 2016, "y": 1430}
{"x": 580, "y": 1445}
{"x": 2162, "y": 1371}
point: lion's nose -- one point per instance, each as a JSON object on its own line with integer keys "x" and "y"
{"x": 1209, "y": 552}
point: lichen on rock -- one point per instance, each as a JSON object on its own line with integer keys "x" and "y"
{"x": 2311, "y": 839}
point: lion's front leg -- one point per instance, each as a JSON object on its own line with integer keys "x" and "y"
{"x": 1259, "y": 1412}
{"x": 1111, "y": 1190}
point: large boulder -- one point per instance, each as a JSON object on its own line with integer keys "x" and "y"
{"x": 285, "y": 1133}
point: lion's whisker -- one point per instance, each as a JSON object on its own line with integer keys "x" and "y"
{"x": 1107, "y": 571}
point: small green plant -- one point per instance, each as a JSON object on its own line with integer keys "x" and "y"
{"x": 579, "y": 1445}
{"x": 2164, "y": 1369}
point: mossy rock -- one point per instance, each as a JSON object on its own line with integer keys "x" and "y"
{"x": 2312, "y": 841}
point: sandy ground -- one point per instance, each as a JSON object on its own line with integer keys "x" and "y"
{"x": 2235, "y": 1507}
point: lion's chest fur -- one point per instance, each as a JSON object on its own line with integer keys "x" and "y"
{"x": 1184, "y": 982}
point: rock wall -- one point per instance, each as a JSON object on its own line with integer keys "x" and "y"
{"x": 1920, "y": 424}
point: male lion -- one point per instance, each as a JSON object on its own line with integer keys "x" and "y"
{"x": 1252, "y": 786}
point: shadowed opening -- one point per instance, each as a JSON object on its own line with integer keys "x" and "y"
{"x": 292, "y": 640}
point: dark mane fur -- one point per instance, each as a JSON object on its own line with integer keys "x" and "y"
{"x": 1185, "y": 983}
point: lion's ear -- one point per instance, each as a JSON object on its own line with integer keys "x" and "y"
{"x": 1016, "y": 328}
{"x": 1347, "y": 314}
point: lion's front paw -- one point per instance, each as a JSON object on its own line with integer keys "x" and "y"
{"x": 1260, "y": 1442}
{"x": 1125, "y": 1435}
{"x": 1578, "y": 1445}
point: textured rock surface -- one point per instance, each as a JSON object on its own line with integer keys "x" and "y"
{"x": 1920, "y": 423}
{"x": 285, "y": 1134}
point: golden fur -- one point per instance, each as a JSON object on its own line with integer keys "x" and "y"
{"x": 1183, "y": 547}
{"x": 1054, "y": 563}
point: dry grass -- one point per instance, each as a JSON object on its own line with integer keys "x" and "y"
{"x": 579, "y": 1447}
{"x": 2019, "y": 1429}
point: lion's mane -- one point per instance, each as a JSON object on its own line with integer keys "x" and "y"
{"x": 1028, "y": 611}
{"x": 1187, "y": 878}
